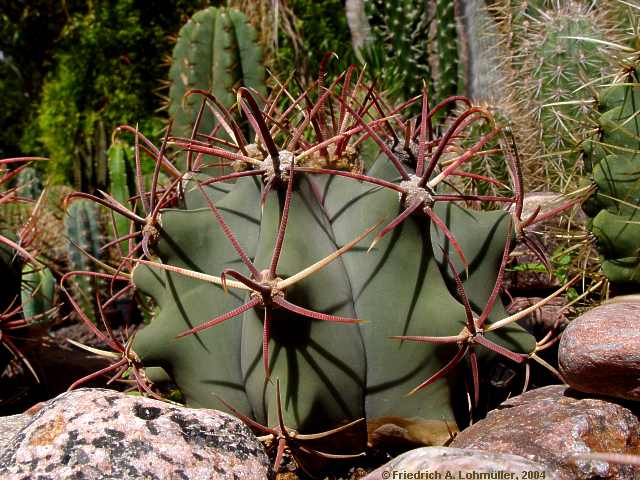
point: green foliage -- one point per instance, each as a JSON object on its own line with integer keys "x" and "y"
{"x": 107, "y": 62}
{"x": 316, "y": 27}
{"x": 31, "y": 27}
{"x": 216, "y": 51}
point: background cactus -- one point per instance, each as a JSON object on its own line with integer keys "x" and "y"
{"x": 84, "y": 234}
{"x": 216, "y": 51}
{"x": 29, "y": 183}
{"x": 119, "y": 183}
{"x": 38, "y": 293}
{"x": 549, "y": 57}
{"x": 614, "y": 155}
{"x": 420, "y": 36}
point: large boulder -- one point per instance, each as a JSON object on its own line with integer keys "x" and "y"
{"x": 101, "y": 434}
{"x": 552, "y": 426}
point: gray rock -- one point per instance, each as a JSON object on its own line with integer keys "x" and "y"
{"x": 551, "y": 425}
{"x": 456, "y": 463}
{"x": 102, "y": 434}
{"x": 600, "y": 351}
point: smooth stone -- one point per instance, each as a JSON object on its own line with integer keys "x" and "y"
{"x": 551, "y": 425}
{"x": 99, "y": 434}
{"x": 600, "y": 351}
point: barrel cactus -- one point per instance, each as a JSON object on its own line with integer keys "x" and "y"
{"x": 262, "y": 277}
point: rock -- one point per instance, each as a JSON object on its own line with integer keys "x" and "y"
{"x": 550, "y": 425}
{"x": 457, "y": 463}
{"x": 600, "y": 351}
{"x": 10, "y": 426}
{"x": 99, "y": 434}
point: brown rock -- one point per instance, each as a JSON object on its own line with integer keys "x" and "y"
{"x": 600, "y": 351}
{"x": 455, "y": 463}
{"x": 550, "y": 425}
{"x": 99, "y": 434}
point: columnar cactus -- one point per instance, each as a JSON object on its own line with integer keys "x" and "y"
{"x": 614, "y": 156}
{"x": 83, "y": 230}
{"x": 550, "y": 57}
{"x": 217, "y": 52}
{"x": 402, "y": 30}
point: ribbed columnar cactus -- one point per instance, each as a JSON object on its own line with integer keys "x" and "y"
{"x": 614, "y": 157}
{"x": 550, "y": 56}
{"x": 38, "y": 293}
{"x": 269, "y": 299}
{"x": 216, "y": 51}
{"x": 562, "y": 55}
{"x": 119, "y": 185}
{"x": 29, "y": 183}
{"x": 83, "y": 231}
{"x": 447, "y": 49}
{"x": 421, "y": 38}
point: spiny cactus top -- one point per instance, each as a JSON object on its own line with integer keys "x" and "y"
{"x": 258, "y": 262}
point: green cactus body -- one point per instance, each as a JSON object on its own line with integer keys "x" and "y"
{"x": 447, "y": 49}
{"x": 38, "y": 293}
{"x": 399, "y": 29}
{"x": 615, "y": 159}
{"x": 558, "y": 71}
{"x": 330, "y": 373}
{"x": 216, "y": 51}
{"x": 83, "y": 231}
{"x": 119, "y": 187}
{"x": 29, "y": 183}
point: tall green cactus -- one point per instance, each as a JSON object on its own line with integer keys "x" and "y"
{"x": 615, "y": 159}
{"x": 216, "y": 51}
{"x": 29, "y": 183}
{"x": 119, "y": 186}
{"x": 560, "y": 61}
{"x": 400, "y": 47}
{"x": 83, "y": 231}
{"x": 447, "y": 49}
{"x": 550, "y": 56}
